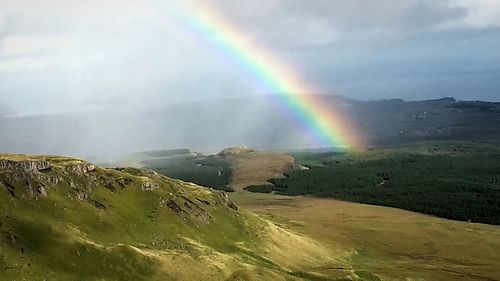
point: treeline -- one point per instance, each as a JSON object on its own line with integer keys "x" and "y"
{"x": 209, "y": 171}
{"x": 461, "y": 187}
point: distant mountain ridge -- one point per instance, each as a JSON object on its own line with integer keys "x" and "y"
{"x": 208, "y": 126}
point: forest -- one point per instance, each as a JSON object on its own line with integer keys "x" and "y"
{"x": 458, "y": 181}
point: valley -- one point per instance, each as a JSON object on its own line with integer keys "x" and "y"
{"x": 64, "y": 217}
{"x": 386, "y": 243}
{"x": 451, "y": 179}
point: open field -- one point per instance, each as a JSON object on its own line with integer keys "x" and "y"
{"x": 386, "y": 241}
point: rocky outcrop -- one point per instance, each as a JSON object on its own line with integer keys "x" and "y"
{"x": 28, "y": 177}
{"x": 149, "y": 185}
{"x": 81, "y": 168}
{"x": 25, "y": 166}
{"x": 34, "y": 175}
{"x": 187, "y": 209}
{"x": 227, "y": 202}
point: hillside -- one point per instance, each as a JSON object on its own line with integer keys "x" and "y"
{"x": 67, "y": 219}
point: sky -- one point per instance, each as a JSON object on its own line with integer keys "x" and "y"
{"x": 69, "y": 55}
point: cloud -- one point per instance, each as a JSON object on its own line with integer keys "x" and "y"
{"x": 78, "y": 55}
{"x": 18, "y": 45}
{"x": 480, "y": 13}
{"x": 24, "y": 64}
{"x": 291, "y": 23}
{"x": 74, "y": 13}
{"x": 30, "y": 53}
{"x": 3, "y": 21}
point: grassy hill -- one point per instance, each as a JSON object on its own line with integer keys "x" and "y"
{"x": 67, "y": 219}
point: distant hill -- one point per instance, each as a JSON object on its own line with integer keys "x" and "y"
{"x": 399, "y": 122}
{"x": 252, "y": 167}
{"x": 209, "y": 126}
{"x": 232, "y": 169}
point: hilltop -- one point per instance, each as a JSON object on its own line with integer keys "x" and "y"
{"x": 233, "y": 168}
{"x": 252, "y": 167}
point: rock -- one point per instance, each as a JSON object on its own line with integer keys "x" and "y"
{"x": 98, "y": 204}
{"x": 42, "y": 191}
{"x": 203, "y": 201}
{"x": 6, "y": 164}
{"x": 231, "y": 205}
{"x": 80, "y": 195}
{"x": 81, "y": 168}
{"x": 227, "y": 202}
{"x": 54, "y": 179}
{"x": 149, "y": 185}
{"x": 10, "y": 189}
{"x": 172, "y": 205}
{"x": 25, "y": 166}
{"x": 109, "y": 185}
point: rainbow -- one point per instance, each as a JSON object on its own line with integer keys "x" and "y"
{"x": 320, "y": 120}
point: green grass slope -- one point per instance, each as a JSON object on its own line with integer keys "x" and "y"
{"x": 66, "y": 219}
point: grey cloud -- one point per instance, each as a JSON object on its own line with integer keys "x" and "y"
{"x": 130, "y": 54}
{"x": 302, "y": 23}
